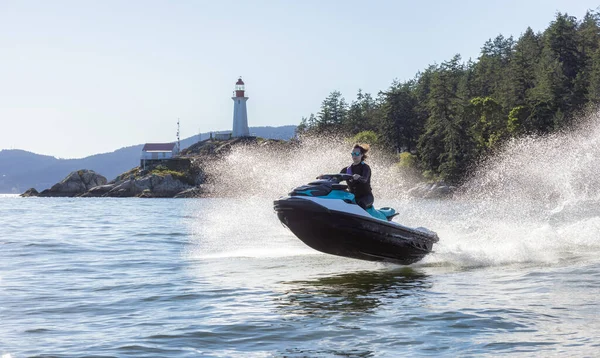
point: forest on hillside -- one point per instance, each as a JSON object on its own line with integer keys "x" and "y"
{"x": 455, "y": 113}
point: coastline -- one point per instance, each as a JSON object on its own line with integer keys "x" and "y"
{"x": 197, "y": 173}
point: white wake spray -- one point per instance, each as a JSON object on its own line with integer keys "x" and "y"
{"x": 241, "y": 221}
{"x": 271, "y": 171}
{"x": 537, "y": 201}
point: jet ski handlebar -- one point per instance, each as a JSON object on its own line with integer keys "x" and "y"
{"x": 339, "y": 177}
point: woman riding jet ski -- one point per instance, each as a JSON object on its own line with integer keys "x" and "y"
{"x": 360, "y": 184}
{"x": 326, "y": 217}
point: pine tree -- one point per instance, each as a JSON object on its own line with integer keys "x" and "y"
{"x": 547, "y": 98}
{"x": 452, "y": 113}
{"x": 492, "y": 73}
{"x": 560, "y": 41}
{"x": 525, "y": 60}
{"x": 587, "y": 81}
{"x": 332, "y": 114}
{"x": 361, "y": 115}
{"x": 593, "y": 91}
{"x": 400, "y": 121}
{"x": 445, "y": 148}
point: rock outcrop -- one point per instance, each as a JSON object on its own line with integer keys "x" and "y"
{"x": 215, "y": 148}
{"x": 75, "y": 184}
{"x": 30, "y": 192}
{"x": 98, "y": 191}
{"x": 149, "y": 186}
{"x": 437, "y": 190}
{"x": 200, "y": 191}
{"x": 181, "y": 177}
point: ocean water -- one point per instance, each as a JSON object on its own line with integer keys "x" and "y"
{"x": 222, "y": 278}
{"x": 516, "y": 271}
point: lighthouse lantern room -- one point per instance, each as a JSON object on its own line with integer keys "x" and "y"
{"x": 240, "y": 115}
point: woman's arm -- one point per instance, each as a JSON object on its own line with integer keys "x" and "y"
{"x": 366, "y": 174}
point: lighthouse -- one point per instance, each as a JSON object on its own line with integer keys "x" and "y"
{"x": 240, "y": 115}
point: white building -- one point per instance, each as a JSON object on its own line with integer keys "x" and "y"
{"x": 240, "y": 115}
{"x": 222, "y": 136}
{"x": 157, "y": 151}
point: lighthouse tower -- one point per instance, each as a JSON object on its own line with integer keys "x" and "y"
{"x": 240, "y": 115}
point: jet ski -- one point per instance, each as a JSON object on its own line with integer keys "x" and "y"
{"x": 325, "y": 216}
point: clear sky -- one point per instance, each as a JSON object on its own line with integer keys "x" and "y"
{"x": 85, "y": 77}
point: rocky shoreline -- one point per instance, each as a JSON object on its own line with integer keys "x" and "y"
{"x": 181, "y": 177}
{"x": 88, "y": 184}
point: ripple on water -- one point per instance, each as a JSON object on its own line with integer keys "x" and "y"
{"x": 158, "y": 278}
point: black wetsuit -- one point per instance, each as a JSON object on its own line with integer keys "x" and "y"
{"x": 361, "y": 188}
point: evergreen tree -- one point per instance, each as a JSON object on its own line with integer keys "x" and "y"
{"x": 492, "y": 71}
{"x": 593, "y": 91}
{"x": 550, "y": 88}
{"x": 361, "y": 114}
{"x": 560, "y": 40}
{"x": 586, "y": 81}
{"x": 445, "y": 148}
{"x": 421, "y": 91}
{"x": 454, "y": 112}
{"x": 332, "y": 115}
{"x": 525, "y": 60}
{"x": 400, "y": 122}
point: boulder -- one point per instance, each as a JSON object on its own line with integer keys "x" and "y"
{"x": 75, "y": 184}
{"x": 196, "y": 192}
{"x": 146, "y": 194}
{"x": 98, "y": 191}
{"x": 167, "y": 186}
{"x": 123, "y": 189}
{"x": 149, "y": 186}
{"x": 30, "y": 192}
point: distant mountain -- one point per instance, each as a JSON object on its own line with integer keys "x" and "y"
{"x": 21, "y": 170}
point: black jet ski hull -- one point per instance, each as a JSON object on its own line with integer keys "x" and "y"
{"x": 349, "y": 235}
